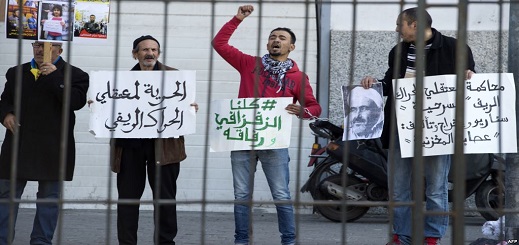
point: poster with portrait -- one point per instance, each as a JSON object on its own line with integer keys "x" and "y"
{"x": 91, "y": 19}
{"x": 363, "y": 112}
{"x": 22, "y": 20}
{"x": 54, "y": 18}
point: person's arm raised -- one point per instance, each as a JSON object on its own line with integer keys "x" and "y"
{"x": 244, "y": 11}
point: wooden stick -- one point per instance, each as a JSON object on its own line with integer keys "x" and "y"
{"x": 47, "y": 50}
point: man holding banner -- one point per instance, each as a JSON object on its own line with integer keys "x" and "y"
{"x": 440, "y": 60}
{"x": 273, "y": 75}
{"x": 131, "y": 158}
{"x": 40, "y": 126}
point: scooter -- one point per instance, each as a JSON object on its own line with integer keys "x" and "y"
{"x": 367, "y": 178}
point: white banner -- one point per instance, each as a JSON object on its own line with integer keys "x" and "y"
{"x": 53, "y": 26}
{"x": 489, "y": 114}
{"x": 142, "y": 104}
{"x": 250, "y": 123}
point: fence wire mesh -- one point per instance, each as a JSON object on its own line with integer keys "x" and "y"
{"x": 338, "y": 43}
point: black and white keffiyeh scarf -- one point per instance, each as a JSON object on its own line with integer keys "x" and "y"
{"x": 276, "y": 69}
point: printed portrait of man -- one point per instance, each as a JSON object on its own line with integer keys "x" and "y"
{"x": 363, "y": 112}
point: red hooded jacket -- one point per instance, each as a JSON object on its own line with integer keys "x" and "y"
{"x": 252, "y": 72}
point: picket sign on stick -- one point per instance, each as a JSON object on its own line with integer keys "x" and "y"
{"x": 47, "y": 49}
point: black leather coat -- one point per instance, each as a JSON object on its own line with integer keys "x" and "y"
{"x": 40, "y": 122}
{"x": 440, "y": 60}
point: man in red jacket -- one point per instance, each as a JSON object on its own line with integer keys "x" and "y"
{"x": 273, "y": 75}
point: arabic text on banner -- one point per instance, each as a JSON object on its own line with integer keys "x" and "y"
{"x": 250, "y": 123}
{"x": 142, "y": 104}
{"x": 489, "y": 114}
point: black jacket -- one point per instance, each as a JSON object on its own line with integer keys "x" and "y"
{"x": 41, "y": 122}
{"x": 440, "y": 60}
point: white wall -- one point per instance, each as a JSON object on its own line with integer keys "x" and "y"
{"x": 185, "y": 41}
{"x": 382, "y": 17}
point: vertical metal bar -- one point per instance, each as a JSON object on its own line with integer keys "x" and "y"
{"x": 65, "y": 122}
{"x": 110, "y": 201}
{"x": 393, "y": 131}
{"x": 512, "y": 159}
{"x": 300, "y": 131}
{"x": 13, "y": 201}
{"x": 458, "y": 234}
{"x": 323, "y": 18}
{"x": 500, "y": 174}
{"x": 253, "y": 161}
{"x": 418, "y": 161}
{"x": 156, "y": 196}
{"x": 344, "y": 178}
{"x": 207, "y": 127}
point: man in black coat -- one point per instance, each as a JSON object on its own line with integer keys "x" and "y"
{"x": 440, "y": 59}
{"x": 92, "y": 27}
{"x": 38, "y": 121}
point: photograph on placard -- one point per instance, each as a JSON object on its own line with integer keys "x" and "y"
{"x": 28, "y": 15}
{"x": 363, "y": 112}
{"x": 54, "y": 20}
{"x": 91, "y": 19}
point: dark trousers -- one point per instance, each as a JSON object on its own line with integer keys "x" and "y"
{"x": 131, "y": 181}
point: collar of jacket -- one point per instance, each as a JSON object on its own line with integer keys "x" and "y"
{"x": 59, "y": 63}
{"x": 437, "y": 42}
{"x": 34, "y": 65}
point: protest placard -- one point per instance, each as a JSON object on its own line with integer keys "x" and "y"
{"x": 250, "y": 123}
{"x": 142, "y": 104}
{"x": 489, "y": 125}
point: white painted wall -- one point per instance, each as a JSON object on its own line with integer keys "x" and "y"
{"x": 185, "y": 41}
{"x": 382, "y": 17}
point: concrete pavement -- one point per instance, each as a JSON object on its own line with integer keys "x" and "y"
{"x": 93, "y": 227}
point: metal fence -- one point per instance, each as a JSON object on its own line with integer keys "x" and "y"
{"x": 332, "y": 49}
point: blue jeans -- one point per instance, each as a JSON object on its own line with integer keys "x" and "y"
{"x": 436, "y": 172}
{"x": 46, "y": 216}
{"x": 275, "y": 166}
